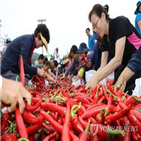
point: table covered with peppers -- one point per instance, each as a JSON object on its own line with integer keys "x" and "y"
{"x": 65, "y": 112}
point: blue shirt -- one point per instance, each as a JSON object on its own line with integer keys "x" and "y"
{"x": 23, "y": 45}
{"x": 91, "y": 42}
{"x": 96, "y": 56}
{"x": 138, "y": 17}
{"x": 72, "y": 68}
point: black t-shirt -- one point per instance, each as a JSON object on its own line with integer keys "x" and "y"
{"x": 118, "y": 28}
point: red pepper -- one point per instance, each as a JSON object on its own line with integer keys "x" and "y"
{"x": 53, "y": 107}
{"x": 34, "y": 128}
{"x": 94, "y": 105}
{"x": 134, "y": 121}
{"x": 20, "y": 124}
{"x": 99, "y": 116}
{"x": 22, "y": 70}
{"x": 129, "y": 101}
{"x": 105, "y": 94}
{"x": 96, "y": 94}
{"x": 85, "y": 135}
{"x": 31, "y": 108}
{"x": 4, "y": 120}
{"x": 74, "y": 120}
{"x": 66, "y": 127}
{"x": 111, "y": 89}
{"x": 14, "y": 137}
{"x": 6, "y": 137}
{"x": 137, "y": 114}
{"x": 30, "y": 118}
{"x": 110, "y": 101}
{"x": 92, "y": 112}
{"x": 57, "y": 126}
{"x": 112, "y": 117}
{"x": 134, "y": 136}
{"x": 82, "y": 99}
{"x": 50, "y": 137}
{"x": 48, "y": 127}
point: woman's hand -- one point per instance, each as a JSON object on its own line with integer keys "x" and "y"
{"x": 13, "y": 92}
{"x": 92, "y": 82}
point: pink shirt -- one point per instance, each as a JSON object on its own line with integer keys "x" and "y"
{"x": 69, "y": 64}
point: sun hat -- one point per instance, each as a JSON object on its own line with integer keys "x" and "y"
{"x": 44, "y": 41}
{"x": 8, "y": 40}
{"x": 95, "y": 35}
{"x": 65, "y": 59}
{"x": 83, "y": 48}
{"x": 138, "y": 4}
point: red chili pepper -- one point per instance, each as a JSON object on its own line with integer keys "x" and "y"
{"x": 85, "y": 135}
{"x": 96, "y": 95}
{"x": 57, "y": 126}
{"x": 31, "y": 108}
{"x": 30, "y": 118}
{"x": 134, "y": 136}
{"x": 14, "y": 137}
{"x": 82, "y": 99}
{"x": 4, "y": 120}
{"x": 6, "y": 137}
{"x": 110, "y": 101}
{"x": 48, "y": 127}
{"x": 95, "y": 127}
{"x": 94, "y": 105}
{"x": 92, "y": 112}
{"x": 112, "y": 117}
{"x": 34, "y": 128}
{"x": 50, "y": 137}
{"x": 22, "y": 70}
{"x": 137, "y": 114}
{"x": 134, "y": 121}
{"x": 99, "y": 116}
{"x": 20, "y": 124}
{"x": 53, "y": 107}
{"x": 129, "y": 101}
{"x": 78, "y": 87}
{"x": 105, "y": 94}
{"x": 74, "y": 120}
{"x": 111, "y": 89}
{"x": 126, "y": 124}
{"x": 66, "y": 127}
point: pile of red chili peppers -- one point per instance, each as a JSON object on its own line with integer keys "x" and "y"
{"x": 64, "y": 112}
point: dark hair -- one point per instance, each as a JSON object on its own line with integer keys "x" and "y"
{"x": 55, "y": 63}
{"x": 73, "y": 49}
{"x": 44, "y": 30}
{"x": 57, "y": 49}
{"x": 106, "y": 7}
{"x": 98, "y": 9}
{"x": 46, "y": 62}
{"x": 41, "y": 56}
{"x": 88, "y": 29}
{"x": 45, "y": 59}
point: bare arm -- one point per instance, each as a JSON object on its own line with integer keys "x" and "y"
{"x": 123, "y": 78}
{"x": 139, "y": 24}
{"x": 111, "y": 66}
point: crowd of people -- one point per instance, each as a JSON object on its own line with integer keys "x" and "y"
{"x": 115, "y": 46}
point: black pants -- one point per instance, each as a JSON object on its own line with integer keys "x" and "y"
{"x": 130, "y": 83}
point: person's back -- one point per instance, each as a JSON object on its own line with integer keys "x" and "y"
{"x": 12, "y": 54}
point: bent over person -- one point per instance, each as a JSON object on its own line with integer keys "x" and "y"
{"x": 24, "y": 45}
